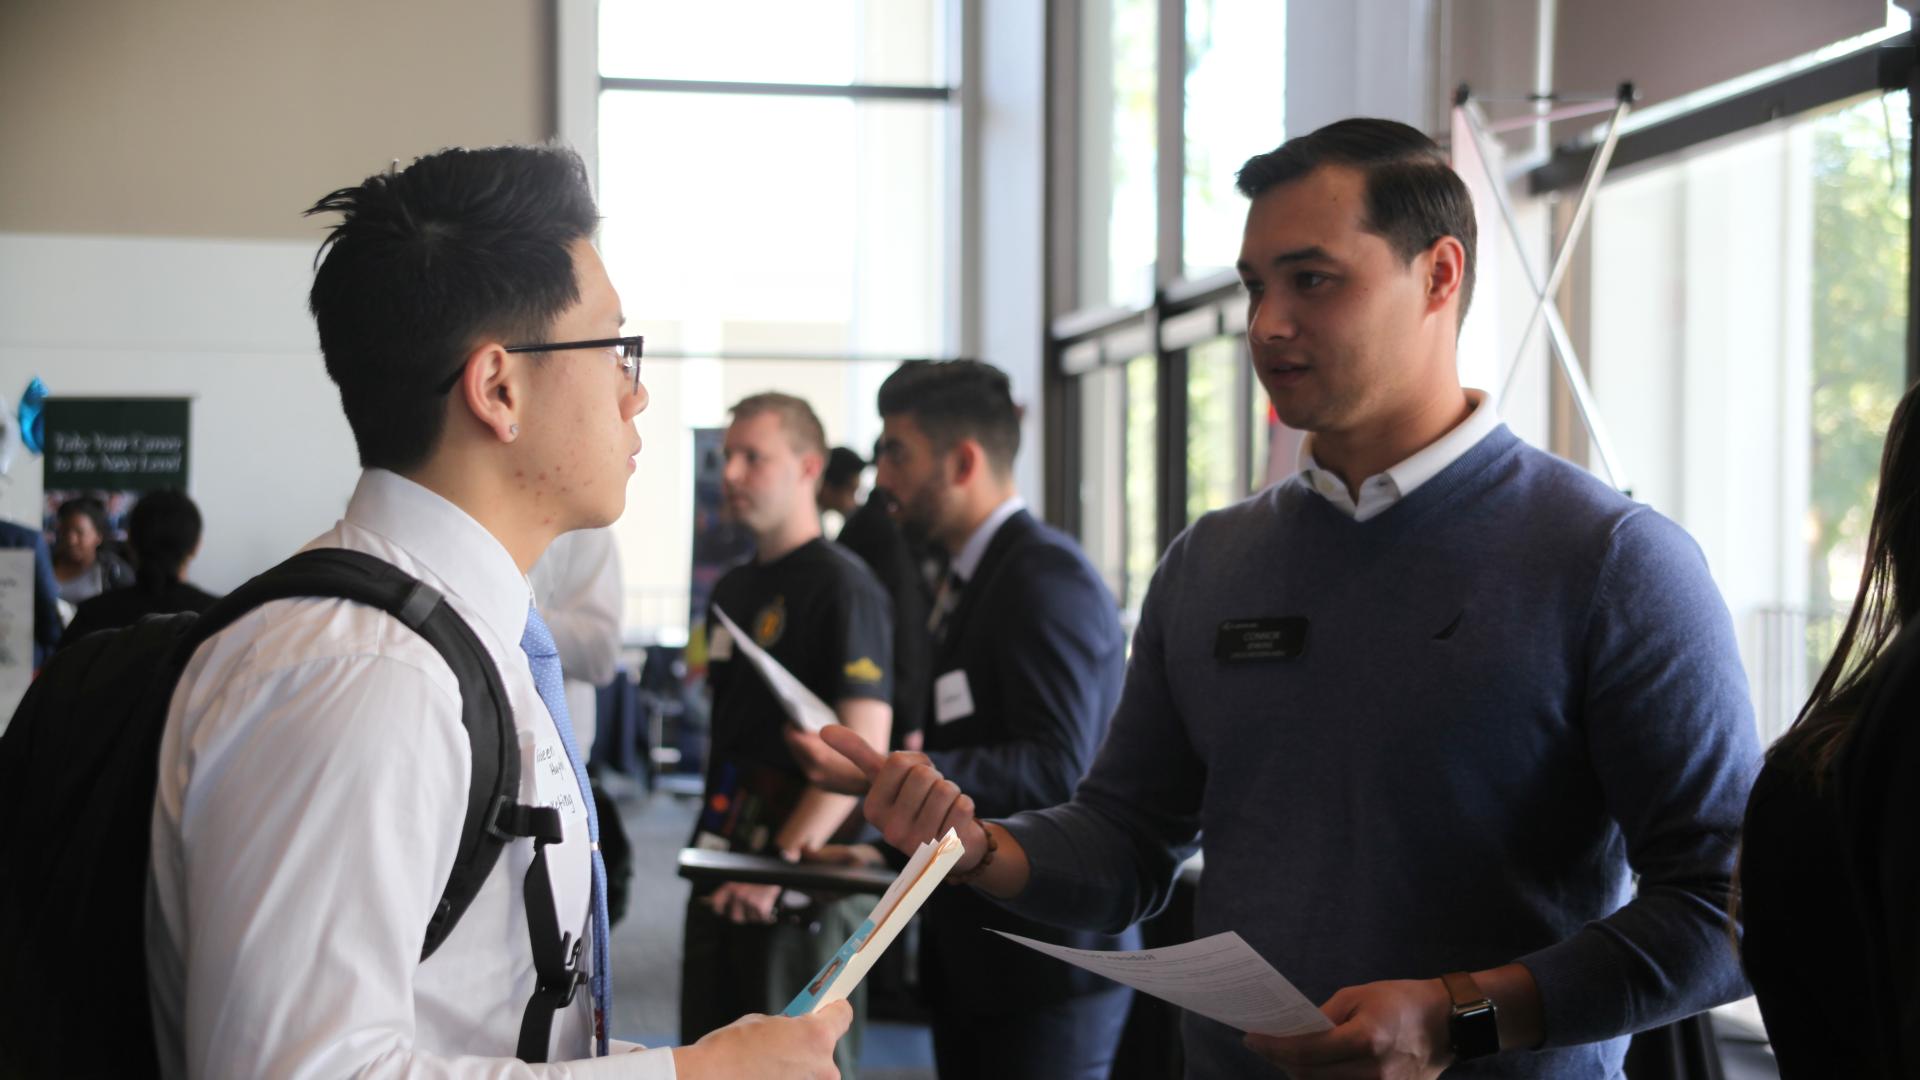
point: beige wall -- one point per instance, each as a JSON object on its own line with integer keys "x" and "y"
{"x": 1667, "y": 49}
{"x": 226, "y": 118}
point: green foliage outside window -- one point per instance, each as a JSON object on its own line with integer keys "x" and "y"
{"x": 1860, "y": 184}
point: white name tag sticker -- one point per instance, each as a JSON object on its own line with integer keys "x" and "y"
{"x": 719, "y": 643}
{"x": 952, "y": 697}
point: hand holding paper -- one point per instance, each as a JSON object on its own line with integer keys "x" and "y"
{"x": 924, "y": 872}
{"x": 1396, "y": 1028}
{"x": 767, "y": 1048}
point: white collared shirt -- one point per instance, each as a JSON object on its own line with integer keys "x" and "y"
{"x": 577, "y": 585}
{"x": 1382, "y": 490}
{"x": 967, "y": 560}
{"x": 312, "y": 785}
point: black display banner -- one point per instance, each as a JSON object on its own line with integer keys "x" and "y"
{"x": 116, "y": 444}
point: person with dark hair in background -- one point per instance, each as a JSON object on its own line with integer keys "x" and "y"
{"x": 840, "y": 482}
{"x": 314, "y": 769}
{"x": 870, "y": 532}
{"x": 1465, "y": 731}
{"x": 82, "y": 566}
{"x": 164, "y": 531}
{"x": 1028, "y": 655}
{"x": 1812, "y": 921}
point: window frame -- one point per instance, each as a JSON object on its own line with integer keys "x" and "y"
{"x": 579, "y": 84}
{"x": 1082, "y": 337}
{"x": 575, "y": 120}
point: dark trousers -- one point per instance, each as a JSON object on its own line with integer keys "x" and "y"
{"x": 1073, "y": 1039}
{"x": 729, "y": 970}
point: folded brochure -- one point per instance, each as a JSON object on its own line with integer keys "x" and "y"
{"x": 896, "y": 908}
{"x": 802, "y": 704}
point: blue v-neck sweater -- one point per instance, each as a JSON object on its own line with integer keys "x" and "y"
{"x": 1519, "y": 693}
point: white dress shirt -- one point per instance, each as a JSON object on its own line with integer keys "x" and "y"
{"x": 577, "y": 585}
{"x": 312, "y": 784}
{"x": 967, "y": 559}
{"x": 1382, "y": 490}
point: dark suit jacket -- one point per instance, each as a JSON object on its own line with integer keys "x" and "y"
{"x": 1039, "y": 638}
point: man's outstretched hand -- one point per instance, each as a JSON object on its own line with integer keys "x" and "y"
{"x": 825, "y": 767}
{"x": 907, "y": 798}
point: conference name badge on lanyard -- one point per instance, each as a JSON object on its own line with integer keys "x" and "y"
{"x": 952, "y": 697}
{"x": 1243, "y": 641}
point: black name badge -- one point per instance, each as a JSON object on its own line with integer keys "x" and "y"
{"x": 1247, "y": 640}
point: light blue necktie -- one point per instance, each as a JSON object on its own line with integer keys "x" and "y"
{"x": 544, "y": 656}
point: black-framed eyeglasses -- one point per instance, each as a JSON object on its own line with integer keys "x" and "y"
{"x": 630, "y": 349}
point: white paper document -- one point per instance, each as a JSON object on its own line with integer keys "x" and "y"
{"x": 1219, "y": 977}
{"x": 802, "y": 704}
{"x": 16, "y": 629}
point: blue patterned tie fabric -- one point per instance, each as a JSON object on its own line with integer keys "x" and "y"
{"x": 544, "y": 656}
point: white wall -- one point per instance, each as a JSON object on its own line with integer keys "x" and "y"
{"x": 1359, "y": 58}
{"x": 225, "y": 118}
{"x": 271, "y": 461}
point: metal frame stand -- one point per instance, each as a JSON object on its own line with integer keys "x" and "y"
{"x": 1467, "y": 108}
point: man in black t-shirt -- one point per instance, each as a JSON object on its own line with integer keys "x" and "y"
{"x": 820, "y": 612}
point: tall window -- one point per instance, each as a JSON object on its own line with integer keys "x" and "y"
{"x": 1748, "y": 344}
{"x": 1739, "y": 305}
{"x": 1143, "y": 477}
{"x": 1216, "y": 438}
{"x": 1152, "y": 297}
{"x": 1235, "y": 108}
{"x": 1118, "y": 155}
{"x": 775, "y": 178}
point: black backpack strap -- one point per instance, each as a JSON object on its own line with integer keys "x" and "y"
{"x": 494, "y": 816}
{"x": 485, "y": 710}
{"x": 558, "y": 971}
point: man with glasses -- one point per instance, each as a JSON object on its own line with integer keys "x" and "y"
{"x": 313, "y": 774}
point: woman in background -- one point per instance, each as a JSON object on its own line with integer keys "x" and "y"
{"x": 82, "y": 567}
{"x": 164, "y": 530}
{"x": 1813, "y": 869}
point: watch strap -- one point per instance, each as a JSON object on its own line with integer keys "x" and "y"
{"x": 1473, "y": 1027}
{"x": 1463, "y": 990}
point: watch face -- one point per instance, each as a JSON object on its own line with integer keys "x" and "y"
{"x": 1474, "y": 1031}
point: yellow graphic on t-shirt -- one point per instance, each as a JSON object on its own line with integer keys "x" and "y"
{"x": 863, "y": 670}
{"x": 770, "y": 623}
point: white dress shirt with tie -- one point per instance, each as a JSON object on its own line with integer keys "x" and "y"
{"x": 312, "y": 784}
{"x": 966, "y": 562}
{"x": 577, "y": 585}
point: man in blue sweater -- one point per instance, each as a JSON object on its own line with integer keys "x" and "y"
{"x": 1433, "y": 703}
